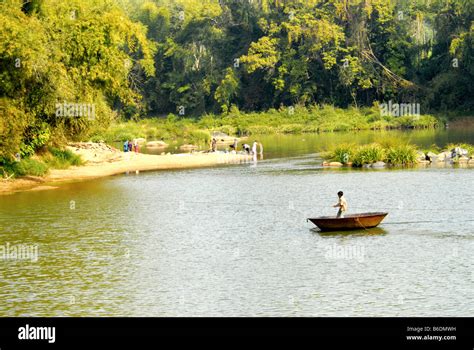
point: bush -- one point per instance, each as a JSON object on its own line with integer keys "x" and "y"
{"x": 257, "y": 130}
{"x": 62, "y": 159}
{"x": 122, "y": 136}
{"x": 311, "y": 128}
{"x": 368, "y": 154}
{"x": 28, "y": 167}
{"x": 228, "y": 129}
{"x": 433, "y": 148}
{"x": 379, "y": 125}
{"x": 199, "y": 136}
{"x": 342, "y": 127}
{"x": 343, "y": 153}
{"x": 401, "y": 155}
{"x": 291, "y": 129}
{"x": 97, "y": 138}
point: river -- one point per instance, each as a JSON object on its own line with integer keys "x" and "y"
{"x": 234, "y": 241}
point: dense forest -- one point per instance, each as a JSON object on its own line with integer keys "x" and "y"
{"x": 132, "y": 59}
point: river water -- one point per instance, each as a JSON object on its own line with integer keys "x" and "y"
{"x": 234, "y": 241}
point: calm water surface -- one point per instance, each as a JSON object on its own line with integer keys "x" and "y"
{"x": 234, "y": 241}
{"x": 278, "y": 146}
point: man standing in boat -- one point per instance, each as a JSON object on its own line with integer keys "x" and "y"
{"x": 341, "y": 204}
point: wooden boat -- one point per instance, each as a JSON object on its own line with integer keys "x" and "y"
{"x": 348, "y": 222}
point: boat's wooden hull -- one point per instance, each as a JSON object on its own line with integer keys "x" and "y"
{"x": 348, "y": 222}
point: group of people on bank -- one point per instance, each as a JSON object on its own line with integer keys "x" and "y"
{"x": 245, "y": 147}
{"x": 128, "y": 146}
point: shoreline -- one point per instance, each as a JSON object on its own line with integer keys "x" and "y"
{"x": 114, "y": 162}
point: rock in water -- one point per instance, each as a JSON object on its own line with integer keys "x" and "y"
{"x": 335, "y": 164}
{"x": 444, "y": 156}
{"x": 378, "y": 165}
{"x": 420, "y": 155}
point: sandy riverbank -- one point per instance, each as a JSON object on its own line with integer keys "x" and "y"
{"x": 101, "y": 160}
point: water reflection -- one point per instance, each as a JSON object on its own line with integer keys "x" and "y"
{"x": 233, "y": 241}
{"x": 277, "y": 146}
{"x": 376, "y": 231}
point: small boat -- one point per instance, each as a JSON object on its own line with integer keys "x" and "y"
{"x": 348, "y": 222}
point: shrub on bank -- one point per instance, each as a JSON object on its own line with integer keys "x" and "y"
{"x": 291, "y": 129}
{"x": 62, "y": 159}
{"x": 52, "y": 158}
{"x": 389, "y": 150}
{"x": 401, "y": 155}
{"x": 26, "y": 167}
{"x": 343, "y": 153}
{"x": 256, "y": 130}
{"x": 368, "y": 154}
{"x": 199, "y": 137}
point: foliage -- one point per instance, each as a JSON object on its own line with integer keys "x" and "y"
{"x": 54, "y": 53}
{"x": 401, "y": 155}
{"x": 62, "y": 158}
{"x": 26, "y": 167}
{"x": 368, "y": 154}
{"x": 333, "y": 62}
{"x": 343, "y": 153}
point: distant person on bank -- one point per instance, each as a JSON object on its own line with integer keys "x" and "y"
{"x": 246, "y": 148}
{"x": 234, "y": 145}
{"x": 213, "y": 145}
{"x": 254, "y": 147}
{"x": 136, "y": 147}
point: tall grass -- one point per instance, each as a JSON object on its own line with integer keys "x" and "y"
{"x": 52, "y": 158}
{"x": 401, "y": 155}
{"x": 199, "y": 136}
{"x": 368, "y": 154}
{"x": 392, "y": 151}
{"x": 61, "y": 158}
{"x": 25, "y": 167}
{"x": 343, "y": 153}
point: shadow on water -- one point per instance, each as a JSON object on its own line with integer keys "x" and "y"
{"x": 376, "y": 231}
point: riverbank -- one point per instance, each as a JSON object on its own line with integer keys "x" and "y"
{"x": 101, "y": 160}
{"x": 285, "y": 120}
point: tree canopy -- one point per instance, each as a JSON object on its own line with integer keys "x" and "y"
{"x": 140, "y": 58}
